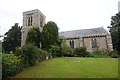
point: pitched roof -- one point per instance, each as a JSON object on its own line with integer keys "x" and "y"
{"x": 84, "y": 32}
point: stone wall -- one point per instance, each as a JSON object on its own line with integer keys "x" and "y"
{"x": 38, "y": 19}
{"x": 103, "y": 42}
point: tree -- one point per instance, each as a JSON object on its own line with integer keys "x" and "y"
{"x": 115, "y": 31}
{"x": 12, "y": 38}
{"x": 34, "y": 36}
{"x": 49, "y": 35}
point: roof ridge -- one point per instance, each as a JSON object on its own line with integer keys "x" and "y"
{"x": 82, "y": 29}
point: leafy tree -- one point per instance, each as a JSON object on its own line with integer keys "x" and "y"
{"x": 49, "y": 35}
{"x": 12, "y": 38}
{"x": 65, "y": 50}
{"x": 115, "y": 31}
{"x": 34, "y": 36}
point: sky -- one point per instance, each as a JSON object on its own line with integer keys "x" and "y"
{"x": 67, "y": 14}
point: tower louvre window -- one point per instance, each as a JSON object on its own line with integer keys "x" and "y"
{"x": 28, "y": 21}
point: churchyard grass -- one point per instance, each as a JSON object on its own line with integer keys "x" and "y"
{"x": 72, "y": 67}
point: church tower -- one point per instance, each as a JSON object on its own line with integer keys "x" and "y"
{"x": 119, "y": 6}
{"x": 31, "y": 18}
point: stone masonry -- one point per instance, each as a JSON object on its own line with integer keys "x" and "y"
{"x": 84, "y": 37}
{"x": 31, "y": 18}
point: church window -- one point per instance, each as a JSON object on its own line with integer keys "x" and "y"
{"x": 28, "y": 21}
{"x": 72, "y": 44}
{"x": 31, "y": 20}
{"x": 41, "y": 24}
{"x": 94, "y": 43}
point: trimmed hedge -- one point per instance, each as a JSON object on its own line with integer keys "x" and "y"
{"x": 11, "y": 65}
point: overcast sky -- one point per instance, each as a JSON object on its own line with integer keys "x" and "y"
{"x": 68, "y": 14}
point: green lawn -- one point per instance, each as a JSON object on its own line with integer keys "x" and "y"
{"x": 72, "y": 67}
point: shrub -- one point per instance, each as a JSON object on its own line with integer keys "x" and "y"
{"x": 95, "y": 54}
{"x": 29, "y": 54}
{"x": 114, "y": 54}
{"x": 65, "y": 50}
{"x": 81, "y": 52}
{"x": 55, "y": 51}
{"x": 104, "y": 53}
{"x": 43, "y": 55}
{"x": 11, "y": 65}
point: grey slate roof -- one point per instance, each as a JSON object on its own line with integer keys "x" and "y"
{"x": 84, "y": 32}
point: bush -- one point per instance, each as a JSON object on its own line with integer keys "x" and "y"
{"x": 55, "y": 51}
{"x": 95, "y": 54}
{"x": 65, "y": 50}
{"x": 43, "y": 55}
{"x": 11, "y": 65}
{"x": 29, "y": 54}
{"x": 114, "y": 54}
{"x": 104, "y": 53}
{"x": 81, "y": 52}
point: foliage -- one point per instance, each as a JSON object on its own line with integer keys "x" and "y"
{"x": 49, "y": 35}
{"x": 34, "y": 36}
{"x": 29, "y": 54}
{"x": 81, "y": 52}
{"x": 12, "y": 38}
{"x": 115, "y": 31}
{"x": 11, "y": 65}
{"x": 114, "y": 54}
{"x": 43, "y": 55}
{"x": 95, "y": 54}
{"x": 104, "y": 53}
{"x": 66, "y": 50}
{"x": 55, "y": 51}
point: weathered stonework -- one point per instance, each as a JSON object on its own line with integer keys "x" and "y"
{"x": 103, "y": 39}
{"x": 31, "y": 18}
{"x": 78, "y": 38}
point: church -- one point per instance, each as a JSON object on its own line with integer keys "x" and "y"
{"x": 93, "y": 39}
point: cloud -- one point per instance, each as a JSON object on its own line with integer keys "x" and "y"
{"x": 68, "y": 14}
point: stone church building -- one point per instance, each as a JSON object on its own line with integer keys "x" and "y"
{"x": 93, "y": 39}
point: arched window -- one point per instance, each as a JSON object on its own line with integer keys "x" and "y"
{"x": 72, "y": 44}
{"x": 94, "y": 43}
{"x": 28, "y": 21}
{"x": 31, "y": 20}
